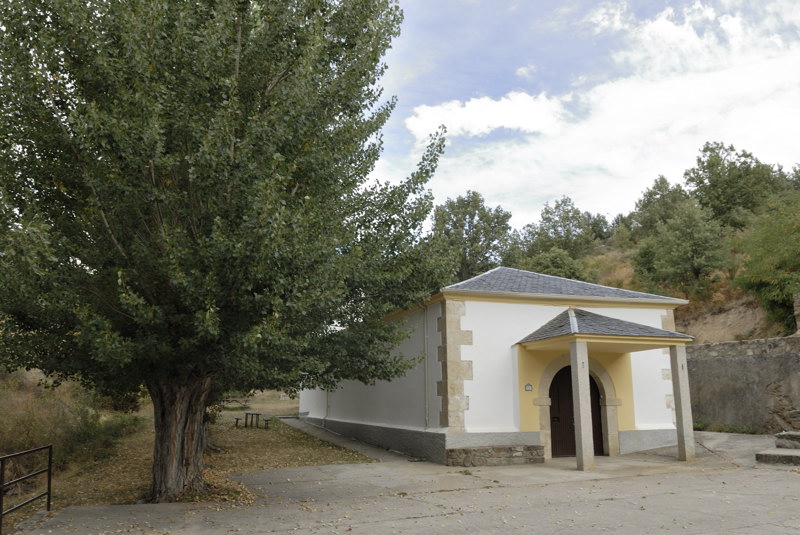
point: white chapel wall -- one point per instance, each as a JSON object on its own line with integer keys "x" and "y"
{"x": 493, "y": 392}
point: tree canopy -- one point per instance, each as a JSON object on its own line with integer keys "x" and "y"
{"x": 772, "y": 258}
{"x": 683, "y": 251}
{"x": 473, "y": 236}
{"x": 733, "y": 184}
{"x": 185, "y": 202}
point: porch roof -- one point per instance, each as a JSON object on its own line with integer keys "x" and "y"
{"x": 601, "y": 332}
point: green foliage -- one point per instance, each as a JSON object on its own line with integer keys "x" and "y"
{"x": 184, "y": 194}
{"x": 657, "y": 206}
{"x": 682, "y": 252}
{"x": 731, "y": 184}
{"x": 556, "y": 262}
{"x": 185, "y": 202}
{"x": 563, "y": 226}
{"x": 473, "y": 237}
{"x": 771, "y": 247}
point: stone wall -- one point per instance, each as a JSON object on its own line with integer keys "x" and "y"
{"x": 495, "y": 455}
{"x": 753, "y": 384}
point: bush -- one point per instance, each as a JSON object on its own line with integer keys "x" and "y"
{"x": 66, "y": 416}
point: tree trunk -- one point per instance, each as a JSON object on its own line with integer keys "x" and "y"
{"x": 178, "y": 411}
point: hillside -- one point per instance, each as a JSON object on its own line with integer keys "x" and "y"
{"x": 725, "y": 318}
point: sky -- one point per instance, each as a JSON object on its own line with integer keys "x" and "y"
{"x": 585, "y": 99}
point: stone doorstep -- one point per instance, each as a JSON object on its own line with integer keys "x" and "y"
{"x": 779, "y": 456}
{"x": 788, "y": 439}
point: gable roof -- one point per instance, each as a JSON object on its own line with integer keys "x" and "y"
{"x": 576, "y": 321}
{"x": 503, "y": 280}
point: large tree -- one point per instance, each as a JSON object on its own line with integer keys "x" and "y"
{"x": 471, "y": 235}
{"x": 185, "y": 202}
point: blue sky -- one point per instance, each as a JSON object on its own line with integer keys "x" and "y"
{"x": 592, "y": 100}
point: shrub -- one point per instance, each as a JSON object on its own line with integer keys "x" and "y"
{"x": 67, "y": 416}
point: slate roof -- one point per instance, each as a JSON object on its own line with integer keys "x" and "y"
{"x": 510, "y": 280}
{"x": 577, "y": 321}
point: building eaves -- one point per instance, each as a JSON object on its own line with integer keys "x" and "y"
{"x": 575, "y": 321}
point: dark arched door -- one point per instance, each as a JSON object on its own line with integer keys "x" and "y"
{"x": 562, "y": 415}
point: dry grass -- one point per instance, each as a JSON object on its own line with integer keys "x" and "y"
{"x": 611, "y": 268}
{"x": 124, "y": 477}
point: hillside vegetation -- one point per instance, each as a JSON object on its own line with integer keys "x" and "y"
{"x": 727, "y": 238}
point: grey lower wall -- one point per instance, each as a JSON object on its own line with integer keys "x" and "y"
{"x": 421, "y": 444}
{"x": 428, "y": 445}
{"x": 752, "y": 384}
{"x": 646, "y": 439}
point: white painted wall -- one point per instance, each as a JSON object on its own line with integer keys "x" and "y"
{"x": 412, "y": 401}
{"x": 313, "y": 402}
{"x": 403, "y": 402}
{"x": 493, "y": 392}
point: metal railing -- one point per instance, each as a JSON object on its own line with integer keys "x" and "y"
{"x": 5, "y": 484}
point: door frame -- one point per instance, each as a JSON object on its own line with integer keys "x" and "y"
{"x": 564, "y": 376}
{"x": 608, "y": 405}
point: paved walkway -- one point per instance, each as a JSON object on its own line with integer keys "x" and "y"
{"x": 722, "y": 491}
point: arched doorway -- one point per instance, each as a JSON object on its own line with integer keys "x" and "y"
{"x": 562, "y": 420}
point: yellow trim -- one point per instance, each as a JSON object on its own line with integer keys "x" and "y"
{"x": 656, "y": 341}
{"x": 532, "y": 364}
{"x": 619, "y": 368}
{"x": 530, "y": 368}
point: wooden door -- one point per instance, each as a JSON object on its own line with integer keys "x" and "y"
{"x": 562, "y": 415}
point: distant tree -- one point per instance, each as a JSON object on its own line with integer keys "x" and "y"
{"x": 683, "y": 251}
{"x": 185, "y": 203}
{"x": 771, "y": 246}
{"x": 657, "y": 205}
{"x": 622, "y": 232}
{"x": 598, "y": 225}
{"x": 731, "y": 184}
{"x": 556, "y": 262}
{"x": 562, "y": 226}
{"x": 473, "y": 236}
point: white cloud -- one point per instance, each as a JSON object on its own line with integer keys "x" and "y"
{"x": 610, "y": 17}
{"x": 689, "y": 76}
{"x": 480, "y": 116}
{"x": 527, "y": 71}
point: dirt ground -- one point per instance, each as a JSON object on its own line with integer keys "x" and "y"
{"x": 739, "y": 318}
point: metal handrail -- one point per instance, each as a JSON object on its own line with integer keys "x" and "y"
{"x": 4, "y": 484}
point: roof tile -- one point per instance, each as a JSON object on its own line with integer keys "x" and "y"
{"x": 510, "y": 280}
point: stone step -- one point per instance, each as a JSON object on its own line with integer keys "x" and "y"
{"x": 779, "y": 456}
{"x": 788, "y": 439}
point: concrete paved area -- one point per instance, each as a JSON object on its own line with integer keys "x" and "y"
{"x": 722, "y": 491}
